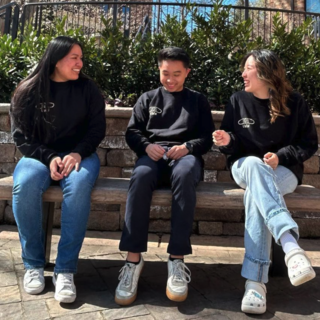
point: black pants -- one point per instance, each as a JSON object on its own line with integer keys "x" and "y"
{"x": 184, "y": 176}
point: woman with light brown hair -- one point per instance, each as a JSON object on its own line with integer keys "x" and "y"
{"x": 267, "y": 133}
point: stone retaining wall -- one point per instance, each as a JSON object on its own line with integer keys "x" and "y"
{"x": 117, "y": 160}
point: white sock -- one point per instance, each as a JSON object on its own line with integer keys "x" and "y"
{"x": 288, "y": 242}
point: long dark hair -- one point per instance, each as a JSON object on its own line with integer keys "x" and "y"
{"x": 34, "y": 91}
{"x": 271, "y": 70}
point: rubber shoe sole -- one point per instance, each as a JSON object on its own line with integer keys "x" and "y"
{"x": 125, "y": 302}
{"x": 303, "y": 277}
{"x": 253, "y": 310}
{"x": 174, "y": 297}
{"x": 34, "y": 290}
{"x": 65, "y": 299}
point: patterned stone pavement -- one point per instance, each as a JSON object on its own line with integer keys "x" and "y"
{"x": 215, "y": 291}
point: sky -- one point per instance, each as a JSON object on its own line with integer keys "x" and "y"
{"x": 313, "y": 5}
{"x": 229, "y": 1}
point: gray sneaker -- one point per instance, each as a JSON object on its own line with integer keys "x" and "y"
{"x": 33, "y": 281}
{"x": 178, "y": 278}
{"x": 126, "y": 291}
{"x": 65, "y": 289}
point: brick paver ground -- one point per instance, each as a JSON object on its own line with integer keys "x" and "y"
{"x": 215, "y": 291}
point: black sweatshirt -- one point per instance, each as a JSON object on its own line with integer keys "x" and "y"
{"x": 293, "y": 138}
{"x": 171, "y": 118}
{"x": 75, "y": 119}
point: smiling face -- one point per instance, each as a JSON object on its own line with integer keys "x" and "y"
{"x": 252, "y": 83}
{"x": 173, "y": 75}
{"x": 68, "y": 68}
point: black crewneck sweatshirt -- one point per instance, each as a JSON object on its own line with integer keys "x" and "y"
{"x": 293, "y": 138}
{"x": 171, "y": 118}
{"x": 75, "y": 122}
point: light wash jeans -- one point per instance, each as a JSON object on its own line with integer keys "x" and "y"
{"x": 266, "y": 214}
{"x": 31, "y": 179}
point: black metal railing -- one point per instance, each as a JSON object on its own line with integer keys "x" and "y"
{"x": 262, "y": 19}
{"x": 9, "y": 19}
{"x": 148, "y": 16}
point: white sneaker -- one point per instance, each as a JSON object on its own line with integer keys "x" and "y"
{"x": 299, "y": 267}
{"x": 178, "y": 278}
{"x": 33, "y": 281}
{"x": 65, "y": 288}
{"x": 254, "y": 299}
{"x": 126, "y": 291}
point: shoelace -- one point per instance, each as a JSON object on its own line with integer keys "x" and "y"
{"x": 33, "y": 274}
{"x": 66, "y": 280}
{"x": 181, "y": 272}
{"x": 126, "y": 274}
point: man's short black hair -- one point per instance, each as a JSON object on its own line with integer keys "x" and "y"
{"x": 174, "y": 54}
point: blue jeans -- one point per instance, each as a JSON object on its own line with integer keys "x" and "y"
{"x": 31, "y": 179}
{"x": 266, "y": 214}
{"x": 184, "y": 176}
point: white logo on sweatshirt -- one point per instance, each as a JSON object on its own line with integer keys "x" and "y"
{"x": 246, "y": 122}
{"x": 153, "y": 111}
{"x": 45, "y": 107}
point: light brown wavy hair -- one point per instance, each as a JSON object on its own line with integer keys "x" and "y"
{"x": 271, "y": 70}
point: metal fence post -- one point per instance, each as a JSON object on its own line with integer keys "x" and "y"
{"x": 316, "y": 29}
{"x": 7, "y": 20}
{"x": 23, "y": 21}
{"x": 246, "y": 10}
{"x": 15, "y": 22}
{"x": 115, "y": 11}
{"x": 158, "y": 17}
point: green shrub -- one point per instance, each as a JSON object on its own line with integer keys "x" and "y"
{"x": 15, "y": 63}
{"x": 125, "y": 67}
{"x": 302, "y": 61}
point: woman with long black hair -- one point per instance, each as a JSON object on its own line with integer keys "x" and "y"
{"x": 267, "y": 133}
{"x": 58, "y": 121}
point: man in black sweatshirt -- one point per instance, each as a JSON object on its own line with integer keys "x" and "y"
{"x": 169, "y": 130}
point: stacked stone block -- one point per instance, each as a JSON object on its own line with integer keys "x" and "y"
{"x": 117, "y": 161}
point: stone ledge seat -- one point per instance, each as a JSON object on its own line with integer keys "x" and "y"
{"x": 213, "y": 195}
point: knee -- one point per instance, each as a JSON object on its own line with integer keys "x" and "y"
{"x": 186, "y": 176}
{"x": 78, "y": 183}
{"x": 144, "y": 174}
{"x": 30, "y": 185}
{"x": 27, "y": 190}
{"x": 253, "y": 163}
{"x": 30, "y": 173}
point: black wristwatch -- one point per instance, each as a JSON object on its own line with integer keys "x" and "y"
{"x": 189, "y": 146}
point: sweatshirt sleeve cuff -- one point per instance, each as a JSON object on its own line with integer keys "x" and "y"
{"x": 82, "y": 153}
{"x": 230, "y": 144}
{"x": 145, "y": 145}
{"x": 282, "y": 157}
{"x": 49, "y": 159}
